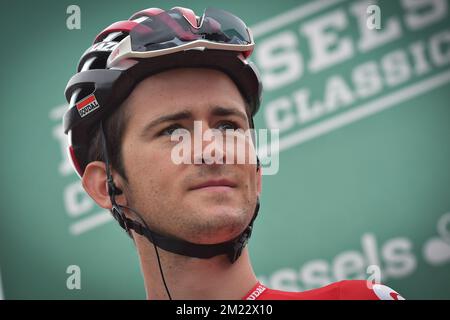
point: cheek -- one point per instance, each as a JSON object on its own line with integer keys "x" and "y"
{"x": 254, "y": 180}
{"x": 251, "y": 162}
{"x": 249, "y": 178}
{"x": 148, "y": 167}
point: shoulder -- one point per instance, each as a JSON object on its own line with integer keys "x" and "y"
{"x": 362, "y": 289}
{"x": 342, "y": 290}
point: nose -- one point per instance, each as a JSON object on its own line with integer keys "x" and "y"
{"x": 208, "y": 145}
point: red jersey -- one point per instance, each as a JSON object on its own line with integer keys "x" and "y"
{"x": 342, "y": 290}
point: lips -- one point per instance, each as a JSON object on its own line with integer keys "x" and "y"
{"x": 215, "y": 183}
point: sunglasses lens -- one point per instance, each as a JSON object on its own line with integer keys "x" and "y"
{"x": 171, "y": 29}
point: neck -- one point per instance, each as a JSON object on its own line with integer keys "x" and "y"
{"x": 192, "y": 278}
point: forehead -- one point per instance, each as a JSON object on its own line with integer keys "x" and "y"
{"x": 193, "y": 89}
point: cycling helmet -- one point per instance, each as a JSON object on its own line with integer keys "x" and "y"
{"x": 153, "y": 41}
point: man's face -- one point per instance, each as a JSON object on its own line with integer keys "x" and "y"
{"x": 169, "y": 195}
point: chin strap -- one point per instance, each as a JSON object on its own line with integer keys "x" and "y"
{"x": 233, "y": 248}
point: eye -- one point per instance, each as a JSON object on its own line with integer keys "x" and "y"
{"x": 227, "y": 125}
{"x": 169, "y": 130}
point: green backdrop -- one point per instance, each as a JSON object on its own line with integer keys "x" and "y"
{"x": 364, "y": 177}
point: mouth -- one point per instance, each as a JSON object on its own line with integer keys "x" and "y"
{"x": 215, "y": 185}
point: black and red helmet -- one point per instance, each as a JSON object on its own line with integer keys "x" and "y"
{"x": 152, "y": 41}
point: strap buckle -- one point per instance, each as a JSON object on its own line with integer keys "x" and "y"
{"x": 240, "y": 244}
{"x": 120, "y": 217}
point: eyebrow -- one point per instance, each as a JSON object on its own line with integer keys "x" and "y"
{"x": 186, "y": 114}
{"x": 222, "y": 111}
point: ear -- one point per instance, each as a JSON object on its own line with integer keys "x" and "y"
{"x": 95, "y": 183}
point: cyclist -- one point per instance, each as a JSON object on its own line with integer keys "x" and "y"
{"x": 142, "y": 81}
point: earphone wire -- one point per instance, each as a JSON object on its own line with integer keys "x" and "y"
{"x": 156, "y": 248}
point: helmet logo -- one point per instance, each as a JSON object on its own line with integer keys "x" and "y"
{"x": 87, "y": 105}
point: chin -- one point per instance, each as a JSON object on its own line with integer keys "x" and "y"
{"x": 220, "y": 223}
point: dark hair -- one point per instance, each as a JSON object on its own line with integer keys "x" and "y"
{"x": 114, "y": 126}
